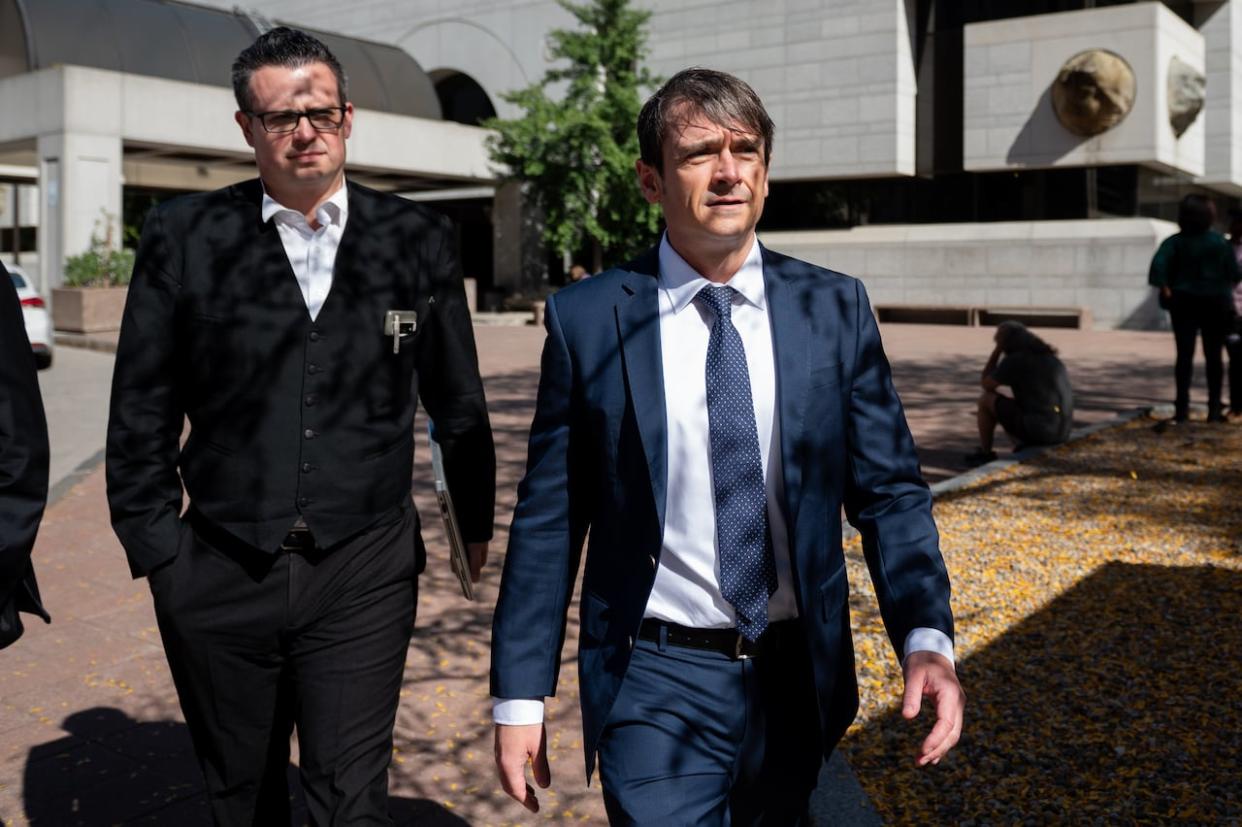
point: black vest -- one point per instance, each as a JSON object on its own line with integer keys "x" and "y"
{"x": 290, "y": 417}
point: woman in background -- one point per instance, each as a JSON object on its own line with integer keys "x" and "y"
{"x": 1195, "y": 272}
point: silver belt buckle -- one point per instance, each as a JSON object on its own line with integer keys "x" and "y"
{"x": 738, "y": 654}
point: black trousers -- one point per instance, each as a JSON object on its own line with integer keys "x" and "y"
{"x": 1207, "y": 317}
{"x": 1233, "y": 344}
{"x": 259, "y": 644}
{"x": 699, "y": 738}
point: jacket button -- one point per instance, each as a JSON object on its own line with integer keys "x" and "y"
{"x": 306, "y": 468}
{"x": 310, "y": 399}
{"x": 312, "y": 368}
{"x": 314, "y": 335}
{"x": 303, "y": 501}
{"x": 309, "y": 433}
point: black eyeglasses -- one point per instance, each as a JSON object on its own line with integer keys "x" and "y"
{"x": 326, "y": 119}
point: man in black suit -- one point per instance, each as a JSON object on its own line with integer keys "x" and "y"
{"x": 23, "y": 466}
{"x": 295, "y": 321}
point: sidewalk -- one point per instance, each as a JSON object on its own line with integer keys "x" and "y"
{"x": 89, "y": 723}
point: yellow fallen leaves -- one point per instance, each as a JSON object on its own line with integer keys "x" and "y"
{"x": 1097, "y": 590}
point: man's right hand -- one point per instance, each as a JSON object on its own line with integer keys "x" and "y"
{"x": 515, "y": 747}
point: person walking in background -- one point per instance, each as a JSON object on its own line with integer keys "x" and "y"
{"x": 23, "y": 467}
{"x": 1195, "y": 270}
{"x": 1233, "y": 339}
{"x": 1041, "y": 410}
{"x": 296, "y": 321}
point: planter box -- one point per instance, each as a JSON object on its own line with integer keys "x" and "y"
{"x": 88, "y": 309}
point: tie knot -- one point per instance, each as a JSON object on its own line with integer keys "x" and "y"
{"x": 719, "y": 298}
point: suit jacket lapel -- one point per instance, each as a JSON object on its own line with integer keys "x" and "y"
{"x": 350, "y": 275}
{"x": 638, "y": 325}
{"x": 269, "y": 277}
{"x": 791, "y": 337}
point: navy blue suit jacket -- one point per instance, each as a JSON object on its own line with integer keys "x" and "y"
{"x": 597, "y": 463}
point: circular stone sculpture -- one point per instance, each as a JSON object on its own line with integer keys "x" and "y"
{"x": 1093, "y": 92}
{"x": 1186, "y": 95}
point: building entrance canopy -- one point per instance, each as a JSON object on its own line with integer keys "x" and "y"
{"x": 100, "y": 95}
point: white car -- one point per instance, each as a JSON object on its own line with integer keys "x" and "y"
{"x": 34, "y": 313}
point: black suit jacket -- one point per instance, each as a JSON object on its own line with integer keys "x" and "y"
{"x": 23, "y": 466}
{"x": 289, "y": 417}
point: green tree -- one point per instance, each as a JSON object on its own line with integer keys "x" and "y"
{"x": 576, "y": 153}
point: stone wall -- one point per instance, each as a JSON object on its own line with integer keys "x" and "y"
{"x": 1100, "y": 265}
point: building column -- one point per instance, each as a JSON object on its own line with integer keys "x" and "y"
{"x": 519, "y": 265}
{"x": 79, "y": 197}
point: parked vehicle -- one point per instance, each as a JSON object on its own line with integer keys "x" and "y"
{"x": 34, "y": 312}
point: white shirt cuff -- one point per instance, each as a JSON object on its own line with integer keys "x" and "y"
{"x": 519, "y": 712}
{"x": 924, "y": 639}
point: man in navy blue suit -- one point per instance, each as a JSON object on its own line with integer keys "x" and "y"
{"x": 704, "y": 412}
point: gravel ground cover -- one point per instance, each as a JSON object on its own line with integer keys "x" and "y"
{"x": 1098, "y": 597}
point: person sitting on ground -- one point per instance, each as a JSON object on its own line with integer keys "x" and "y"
{"x": 1042, "y": 406}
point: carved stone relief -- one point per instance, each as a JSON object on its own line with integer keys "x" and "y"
{"x": 1186, "y": 95}
{"x": 1093, "y": 92}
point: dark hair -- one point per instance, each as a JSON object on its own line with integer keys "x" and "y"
{"x": 1015, "y": 337}
{"x": 283, "y": 46}
{"x": 1195, "y": 214}
{"x": 722, "y": 98}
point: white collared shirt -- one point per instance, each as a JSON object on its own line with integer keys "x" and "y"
{"x": 311, "y": 252}
{"x": 687, "y": 583}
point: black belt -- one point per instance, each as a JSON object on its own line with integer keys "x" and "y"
{"x": 726, "y": 641}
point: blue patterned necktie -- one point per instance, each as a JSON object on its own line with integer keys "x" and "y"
{"x": 747, "y": 569}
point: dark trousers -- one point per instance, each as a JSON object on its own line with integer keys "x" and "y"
{"x": 259, "y": 644}
{"x": 1233, "y": 344}
{"x": 699, "y": 738}
{"x": 1207, "y": 317}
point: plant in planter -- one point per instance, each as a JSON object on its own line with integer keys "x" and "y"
{"x": 92, "y": 299}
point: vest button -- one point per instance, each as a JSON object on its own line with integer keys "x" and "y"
{"x": 303, "y": 501}
{"x": 312, "y": 368}
{"x": 309, "y": 433}
{"x": 310, "y": 399}
{"x": 314, "y": 335}
{"x": 307, "y": 468}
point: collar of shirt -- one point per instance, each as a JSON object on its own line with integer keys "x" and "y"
{"x": 333, "y": 211}
{"x": 681, "y": 282}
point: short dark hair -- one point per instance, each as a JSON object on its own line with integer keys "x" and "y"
{"x": 283, "y": 46}
{"x": 721, "y": 97}
{"x": 1195, "y": 214}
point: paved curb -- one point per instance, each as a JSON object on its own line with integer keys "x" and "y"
{"x": 63, "y": 485}
{"x": 975, "y": 474}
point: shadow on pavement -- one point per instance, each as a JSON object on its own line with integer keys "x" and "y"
{"x": 111, "y": 769}
{"x": 1117, "y": 703}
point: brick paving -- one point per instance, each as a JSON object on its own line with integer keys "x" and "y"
{"x": 90, "y": 732}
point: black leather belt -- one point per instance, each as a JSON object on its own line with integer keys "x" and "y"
{"x": 298, "y": 539}
{"x": 726, "y": 641}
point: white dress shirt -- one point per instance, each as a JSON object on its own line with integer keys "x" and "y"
{"x": 687, "y": 582}
{"x": 311, "y": 252}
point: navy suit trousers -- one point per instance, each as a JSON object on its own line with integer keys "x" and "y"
{"x": 699, "y": 738}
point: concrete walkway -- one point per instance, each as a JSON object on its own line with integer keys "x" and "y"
{"x": 90, "y": 732}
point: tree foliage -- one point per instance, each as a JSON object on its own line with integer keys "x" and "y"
{"x": 576, "y": 152}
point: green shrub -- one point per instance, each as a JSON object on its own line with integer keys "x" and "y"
{"x": 101, "y": 265}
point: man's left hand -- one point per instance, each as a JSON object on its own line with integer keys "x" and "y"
{"x": 478, "y": 559}
{"x": 932, "y": 675}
